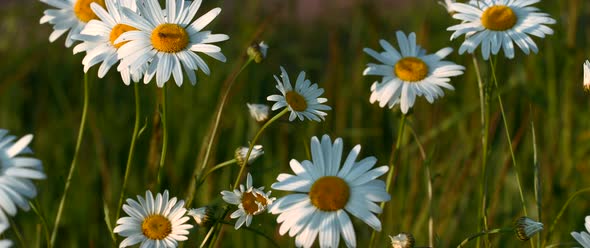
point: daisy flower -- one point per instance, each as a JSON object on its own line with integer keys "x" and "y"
{"x": 402, "y": 240}
{"x": 410, "y": 73}
{"x": 326, "y": 192}
{"x": 201, "y": 215}
{"x": 499, "y": 23}
{"x": 99, "y": 37}
{"x": 158, "y": 222}
{"x": 16, "y": 174}
{"x": 251, "y": 201}
{"x": 242, "y": 151}
{"x": 526, "y": 228}
{"x": 168, "y": 41}
{"x": 583, "y": 237}
{"x": 258, "y": 111}
{"x": 4, "y": 243}
{"x": 303, "y": 101}
{"x": 70, "y": 16}
{"x": 587, "y": 75}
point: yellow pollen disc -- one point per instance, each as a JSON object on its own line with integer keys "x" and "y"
{"x": 117, "y": 31}
{"x": 84, "y": 12}
{"x": 156, "y": 227}
{"x": 169, "y": 38}
{"x": 329, "y": 193}
{"x": 249, "y": 202}
{"x": 498, "y": 18}
{"x": 411, "y": 69}
{"x": 296, "y": 101}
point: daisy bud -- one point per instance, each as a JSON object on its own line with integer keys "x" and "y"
{"x": 402, "y": 240}
{"x": 258, "y": 111}
{"x": 201, "y": 215}
{"x": 526, "y": 227}
{"x": 241, "y": 153}
{"x": 587, "y": 75}
{"x": 257, "y": 52}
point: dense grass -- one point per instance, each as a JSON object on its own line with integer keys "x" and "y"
{"x": 41, "y": 93}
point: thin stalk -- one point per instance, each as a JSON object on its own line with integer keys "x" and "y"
{"x": 494, "y": 231}
{"x": 217, "y": 167}
{"x": 73, "y": 165}
{"x": 42, "y": 218}
{"x": 254, "y": 230}
{"x": 536, "y": 176}
{"x": 16, "y": 232}
{"x": 561, "y": 211}
{"x": 165, "y": 135}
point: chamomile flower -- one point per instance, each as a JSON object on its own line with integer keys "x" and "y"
{"x": 70, "y": 16}
{"x": 258, "y": 111}
{"x": 525, "y": 228}
{"x": 326, "y": 192}
{"x": 410, "y": 73}
{"x": 582, "y": 237}
{"x": 496, "y": 24}
{"x": 99, "y": 37}
{"x": 158, "y": 222}
{"x": 201, "y": 215}
{"x": 303, "y": 101}
{"x": 16, "y": 174}
{"x": 587, "y": 75}
{"x": 251, "y": 201}
{"x": 168, "y": 42}
{"x": 242, "y": 151}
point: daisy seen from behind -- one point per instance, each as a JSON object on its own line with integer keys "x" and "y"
{"x": 326, "y": 192}
{"x": 495, "y": 24}
{"x": 16, "y": 174}
{"x": 153, "y": 222}
{"x": 250, "y": 201}
{"x": 168, "y": 40}
{"x": 582, "y": 237}
{"x": 303, "y": 101}
{"x": 409, "y": 73}
{"x": 69, "y": 16}
{"x": 587, "y": 75}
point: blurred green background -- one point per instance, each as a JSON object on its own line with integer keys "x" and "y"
{"x": 41, "y": 93}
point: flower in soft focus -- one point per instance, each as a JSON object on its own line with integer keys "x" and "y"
{"x": 4, "y": 243}
{"x": 257, "y": 52}
{"x": 251, "y": 201}
{"x": 302, "y": 101}
{"x": 167, "y": 41}
{"x": 201, "y": 215}
{"x": 241, "y": 153}
{"x": 496, "y": 24}
{"x": 327, "y": 190}
{"x": 258, "y": 111}
{"x": 70, "y": 16}
{"x": 410, "y": 73}
{"x": 98, "y": 39}
{"x": 448, "y": 5}
{"x": 402, "y": 240}
{"x": 158, "y": 222}
{"x": 587, "y": 75}
{"x": 16, "y": 174}
{"x": 582, "y": 237}
{"x": 526, "y": 227}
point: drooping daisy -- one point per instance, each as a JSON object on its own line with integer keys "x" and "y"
{"x": 251, "y": 201}
{"x": 16, "y": 174}
{"x": 4, "y": 243}
{"x": 241, "y": 152}
{"x": 583, "y": 237}
{"x": 99, "y": 37}
{"x": 302, "y": 101}
{"x": 402, "y": 240}
{"x": 327, "y": 191}
{"x": 201, "y": 215}
{"x": 158, "y": 222}
{"x": 168, "y": 41}
{"x": 587, "y": 75}
{"x": 70, "y": 16}
{"x": 525, "y": 228}
{"x": 498, "y": 23}
{"x": 409, "y": 74}
{"x": 258, "y": 111}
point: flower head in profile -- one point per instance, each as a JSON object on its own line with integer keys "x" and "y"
{"x": 257, "y": 51}
{"x": 495, "y": 24}
{"x": 402, "y": 240}
{"x": 201, "y": 215}
{"x": 410, "y": 73}
{"x": 167, "y": 40}
{"x": 158, "y": 222}
{"x": 258, "y": 111}
{"x": 4, "y": 243}
{"x": 241, "y": 153}
{"x": 526, "y": 227}
{"x": 69, "y": 16}
{"x": 582, "y": 237}
{"x": 303, "y": 101}
{"x": 587, "y": 75}
{"x": 251, "y": 201}
{"x": 16, "y": 174}
{"x": 327, "y": 190}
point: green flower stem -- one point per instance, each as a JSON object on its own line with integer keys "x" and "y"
{"x": 217, "y": 167}
{"x": 494, "y": 231}
{"x": 561, "y": 211}
{"x": 165, "y": 135}
{"x": 255, "y": 231}
{"x": 73, "y": 165}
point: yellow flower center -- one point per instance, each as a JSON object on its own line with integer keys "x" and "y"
{"x": 84, "y": 12}
{"x": 169, "y": 38}
{"x": 411, "y": 69}
{"x": 250, "y": 202}
{"x": 296, "y": 101}
{"x": 498, "y": 18}
{"x": 117, "y": 31}
{"x": 329, "y": 193}
{"x": 156, "y": 227}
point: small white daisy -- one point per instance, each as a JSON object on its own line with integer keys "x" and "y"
{"x": 302, "y": 101}
{"x": 258, "y": 111}
{"x": 402, "y": 240}
{"x": 497, "y": 24}
{"x": 242, "y": 151}
{"x": 158, "y": 222}
{"x": 409, "y": 74}
{"x": 200, "y": 215}
{"x": 583, "y": 237}
{"x": 168, "y": 42}
{"x": 70, "y": 16}
{"x": 4, "y": 243}
{"x": 526, "y": 228}
{"x": 251, "y": 201}
{"x": 327, "y": 190}
{"x": 587, "y": 75}
{"x": 16, "y": 174}
{"x": 257, "y": 51}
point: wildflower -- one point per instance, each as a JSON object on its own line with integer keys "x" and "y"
{"x": 257, "y": 52}
{"x": 402, "y": 240}
{"x": 251, "y": 201}
{"x": 241, "y": 153}
{"x": 583, "y": 237}
{"x": 258, "y": 111}
{"x": 409, "y": 74}
{"x": 587, "y": 75}
{"x": 158, "y": 222}
{"x": 327, "y": 191}
{"x": 497, "y": 24}
{"x": 201, "y": 215}
{"x": 70, "y": 16}
{"x": 302, "y": 101}
{"x": 526, "y": 227}
{"x": 4, "y": 243}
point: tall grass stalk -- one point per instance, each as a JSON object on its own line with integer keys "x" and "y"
{"x": 73, "y": 164}
{"x": 482, "y": 233}
{"x": 428, "y": 175}
{"x": 537, "y": 176}
{"x": 165, "y": 135}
